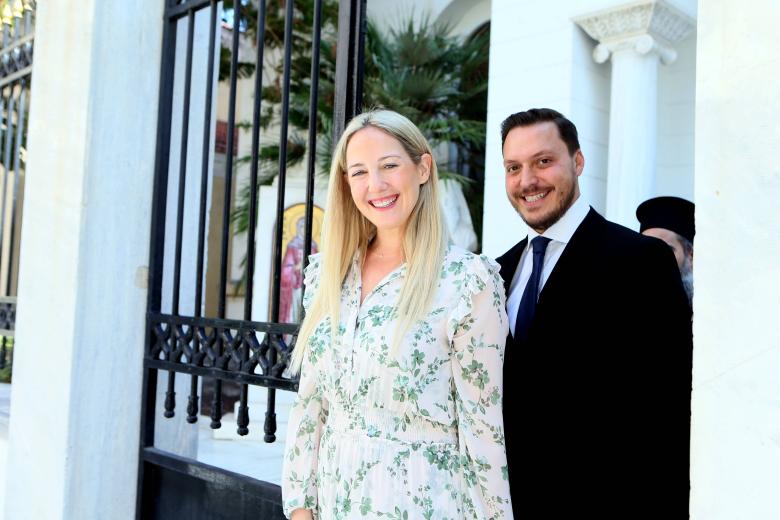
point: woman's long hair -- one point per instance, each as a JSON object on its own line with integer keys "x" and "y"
{"x": 345, "y": 230}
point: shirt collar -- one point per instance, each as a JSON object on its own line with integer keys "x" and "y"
{"x": 564, "y": 229}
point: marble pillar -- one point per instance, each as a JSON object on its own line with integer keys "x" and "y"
{"x": 637, "y": 38}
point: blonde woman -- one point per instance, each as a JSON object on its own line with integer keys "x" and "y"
{"x": 401, "y": 352}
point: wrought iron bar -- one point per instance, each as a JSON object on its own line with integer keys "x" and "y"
{"x": 16, "y": 76}
{"x": 174, "y": 12}
{"x": 10, "y": 287}
{"x": 216, "y": 347}
{"x": 170, "y": 393}
{"x": 192, "y": 402}
{"x": 157, "y": 241}
{"x": 270, "y": 415}
{"x": 28, "y": 22}
{"x": 216, "y": 405}
{"x": 313, "y": 98}
{"x": 269, "y": 382}
{"x": 9, "y": 133}
{"x": 5, "y": 129}
{"x": 205, "y": 167}
{"x": 238, "y": 336}
{"x": 7, "y": 315}
{"x": 15, "y": 69}
{"x": 16, "y": 60}
{"x": 17, "y": 50}
{"x": 349, "y": 64}
{"x": 7, "y": 319}
{"x": 282, "y": 177}
{"x": 185, "y": 126}
{"x": 156, "y": 317}
{"x": 242, "y": 421}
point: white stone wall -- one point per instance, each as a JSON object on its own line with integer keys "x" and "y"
{"x": 466, "y": 16}
{"x": 463, "y": 16}
{"x": 73, "y": 439}
{"x": 389, "y": 14}
{"x": 540, "y": 58}
{"x": 676, "y": 109}
{"x": 736, "y": 386}
{"x": 76, "y": 403}
{"x": 589, "y": 110}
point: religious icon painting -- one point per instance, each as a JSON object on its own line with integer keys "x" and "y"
{"x": 293, "y": 235}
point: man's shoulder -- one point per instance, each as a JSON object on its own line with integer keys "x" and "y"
{"x": 616, "y": 239}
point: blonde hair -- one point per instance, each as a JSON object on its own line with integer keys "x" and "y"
{"x": 345, "y": 230}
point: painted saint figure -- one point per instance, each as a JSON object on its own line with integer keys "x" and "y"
{"x": 292, "y": 276}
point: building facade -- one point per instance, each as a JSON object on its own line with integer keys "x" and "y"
{"x": 670, "y": 98}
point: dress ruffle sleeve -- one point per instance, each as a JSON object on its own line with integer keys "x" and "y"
{"x": 305, "y": 422}
{"x": 478, "y": 327}
{"x": 311, "y": 279}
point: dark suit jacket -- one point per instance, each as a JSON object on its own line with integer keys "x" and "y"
{"x": 597, "y": 399}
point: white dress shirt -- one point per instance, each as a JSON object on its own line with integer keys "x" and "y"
{"x": 560, "y": 234}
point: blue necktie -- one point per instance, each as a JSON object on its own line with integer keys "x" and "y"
{"x": 525, "y": 313}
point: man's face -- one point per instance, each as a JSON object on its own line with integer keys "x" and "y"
{"x": 541, "y": 174}
{"x": 670, "y": 237}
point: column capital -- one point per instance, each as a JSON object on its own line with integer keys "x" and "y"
{"x": 645, "y": 26}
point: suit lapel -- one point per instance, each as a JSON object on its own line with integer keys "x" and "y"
{"x": 568, "y": 268}
{"x": 509, "y": 262}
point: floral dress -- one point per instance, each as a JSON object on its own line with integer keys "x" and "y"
{"x": 417, "y": 435}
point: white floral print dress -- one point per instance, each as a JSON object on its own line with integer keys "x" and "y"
{"x": 415, "y": 436}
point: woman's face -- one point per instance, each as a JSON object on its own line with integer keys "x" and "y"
{"x": 384, "y": 181}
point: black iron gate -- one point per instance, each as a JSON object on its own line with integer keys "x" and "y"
{"x": 16, "y": 57}
{"x": 212, "y": 349}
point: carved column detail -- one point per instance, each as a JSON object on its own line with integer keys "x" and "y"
{"x": 635, "y": 37}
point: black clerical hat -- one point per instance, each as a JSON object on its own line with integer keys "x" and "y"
{"x": 672, "y": 213}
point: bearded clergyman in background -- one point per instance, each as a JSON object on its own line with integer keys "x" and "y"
{"x": 671, "y": 219}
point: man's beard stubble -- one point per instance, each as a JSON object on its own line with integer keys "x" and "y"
{"x": 547, "y": 221}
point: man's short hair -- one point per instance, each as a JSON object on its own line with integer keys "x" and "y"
{"x": 566, "y": 129}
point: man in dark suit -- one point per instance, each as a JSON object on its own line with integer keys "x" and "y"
{"x": 597, "y": 374}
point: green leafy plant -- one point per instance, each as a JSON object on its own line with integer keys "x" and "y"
{"x": 432, "y": 77}
{"x": 418, "y": 68}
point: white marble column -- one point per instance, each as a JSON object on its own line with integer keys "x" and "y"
{"x": 735, "y": 437}
{"x": 75, "y": 408}
{"x": 637, "y": 37}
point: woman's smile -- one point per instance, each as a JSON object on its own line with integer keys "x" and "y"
{"x": 384, "y": 202}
